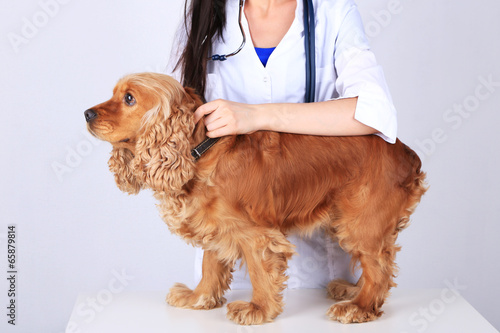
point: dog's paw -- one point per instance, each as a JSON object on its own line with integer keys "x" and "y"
{"x": 341, "y": 290}
{"x": 182, "y": 297}
{"x": 245, "y": 313}
{"x": 346, "y": 312}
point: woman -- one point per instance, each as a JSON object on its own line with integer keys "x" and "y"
{"x": 262, "y": 87}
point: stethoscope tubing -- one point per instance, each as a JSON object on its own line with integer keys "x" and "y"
{"x": 222, "y": 57}
{"x": 310, "y": 51}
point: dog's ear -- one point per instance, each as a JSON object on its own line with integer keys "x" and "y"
{"x": 120, "y": 163}
{"x": 190, "y": 102}
{"x": 163, "y": 158}
{"x": 192, "y": 98}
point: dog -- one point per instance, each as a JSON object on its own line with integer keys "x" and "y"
{"x": 248, "y": 192}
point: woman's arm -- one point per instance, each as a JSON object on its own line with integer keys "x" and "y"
{"x": 329, "y": 118}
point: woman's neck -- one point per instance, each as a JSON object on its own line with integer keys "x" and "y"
{"x": 269, "y": 20}
{"x": 265, "y": 5}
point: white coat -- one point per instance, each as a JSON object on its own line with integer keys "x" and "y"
{"x": 345, "y": 67}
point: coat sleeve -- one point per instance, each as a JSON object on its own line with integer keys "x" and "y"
{"x": 359, "y": 75}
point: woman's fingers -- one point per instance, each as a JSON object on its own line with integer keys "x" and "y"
{"x": 225, "y": 118}
{"x": 214, "y": 125}
{"x": 205, "y": 109}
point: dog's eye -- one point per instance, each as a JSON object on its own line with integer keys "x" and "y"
{"x": 129, "y": 99}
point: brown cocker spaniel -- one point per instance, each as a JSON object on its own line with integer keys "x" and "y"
{"x": 248, "y": 192}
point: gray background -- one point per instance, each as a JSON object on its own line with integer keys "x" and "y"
{"x": 77, "y": 231}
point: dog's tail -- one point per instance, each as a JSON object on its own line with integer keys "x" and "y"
{"x": 414, "y": 184}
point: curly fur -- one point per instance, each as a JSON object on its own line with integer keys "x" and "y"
{"x": 248, "y": 192}
{"x": 119, "y": 164}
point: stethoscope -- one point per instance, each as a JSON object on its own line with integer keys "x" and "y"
{"x": 309, "y": 44}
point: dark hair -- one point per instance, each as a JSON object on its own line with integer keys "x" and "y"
{"x": 204, "y": 23}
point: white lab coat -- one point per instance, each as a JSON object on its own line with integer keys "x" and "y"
{"x": 345, "y": 67}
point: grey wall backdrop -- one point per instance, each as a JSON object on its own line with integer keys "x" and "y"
{"x": 77, "y": 232}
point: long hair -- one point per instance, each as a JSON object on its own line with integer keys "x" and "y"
{"x": 204, "y": 22}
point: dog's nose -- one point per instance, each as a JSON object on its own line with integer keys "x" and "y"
{"x": 90, "y": 114}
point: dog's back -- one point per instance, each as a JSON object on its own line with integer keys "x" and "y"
{"x": 300, "y": 181}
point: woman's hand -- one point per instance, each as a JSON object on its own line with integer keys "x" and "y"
{"x": 227, "y": 118}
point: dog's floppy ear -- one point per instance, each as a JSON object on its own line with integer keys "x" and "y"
{"x": 190, "y": 102}
{"x": 192, "y": 97}
{"x": 120, "y": 163}
{"x": 163, "y": 158}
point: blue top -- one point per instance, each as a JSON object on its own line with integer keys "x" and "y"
{"x": 264, "y": 54}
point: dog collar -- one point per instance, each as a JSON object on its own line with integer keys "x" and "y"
{"x": 203, "y": 147}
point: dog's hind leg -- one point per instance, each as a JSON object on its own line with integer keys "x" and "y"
{"x": 216, "y": 277}
{"x": 375, "y": 250}
{"x": 377, "y": 280}
{"x": 266, "y": 258}
{"x": 341, "y": 290}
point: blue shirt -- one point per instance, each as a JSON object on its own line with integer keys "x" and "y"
{"x": 264, "y": 54}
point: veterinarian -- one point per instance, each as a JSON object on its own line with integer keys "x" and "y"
{"x": 248, "y": 59}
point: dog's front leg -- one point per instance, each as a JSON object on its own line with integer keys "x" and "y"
{"x": 216, "y": 277}
{"x": 266, "y": 258}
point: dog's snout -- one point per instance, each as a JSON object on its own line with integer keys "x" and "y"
{"x": 90, "y": 114}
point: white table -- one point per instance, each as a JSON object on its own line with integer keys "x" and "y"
{"x": 406, "y": 311}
